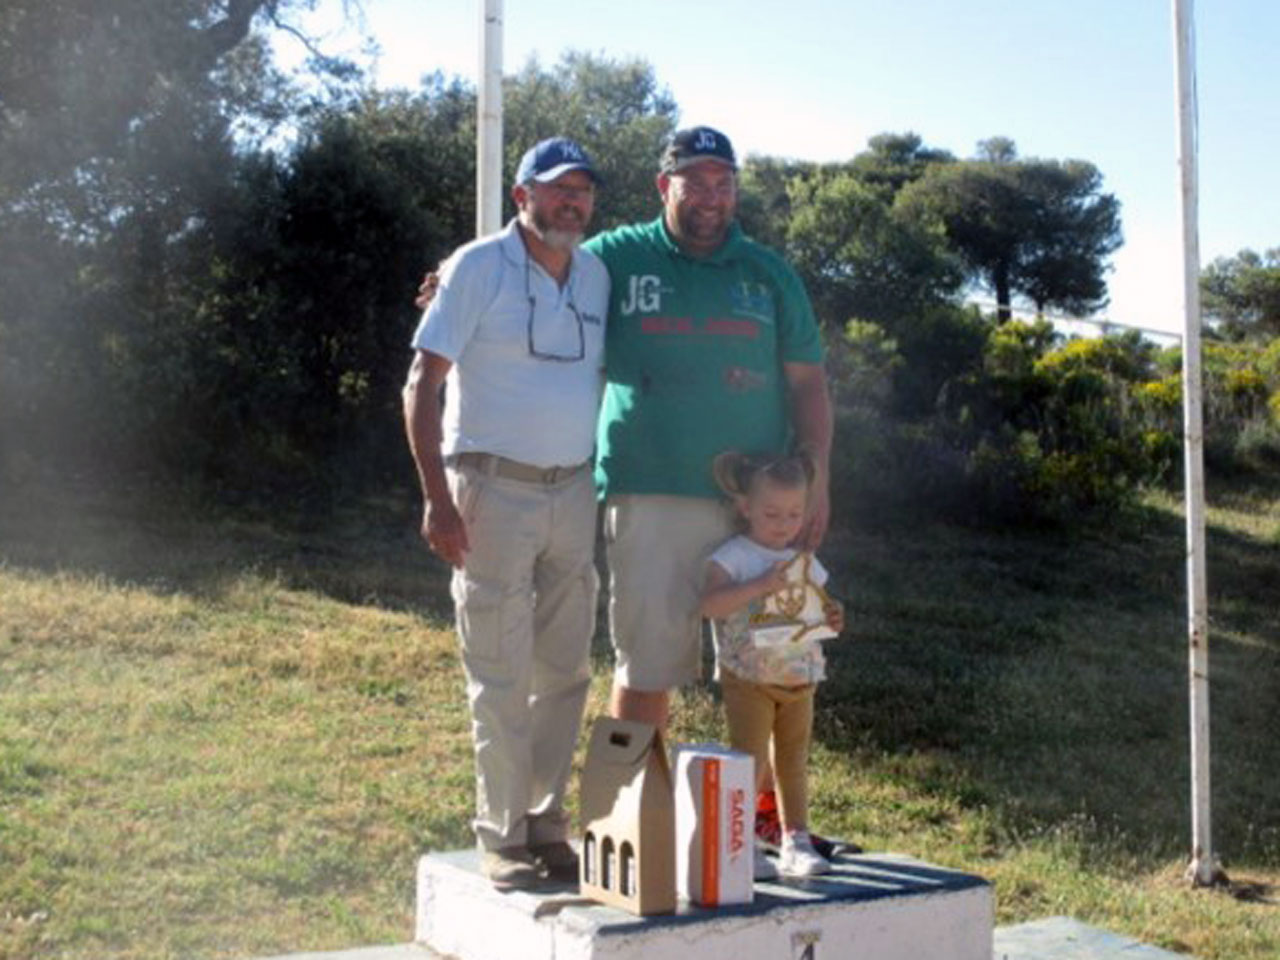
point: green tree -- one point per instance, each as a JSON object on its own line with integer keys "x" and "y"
{"x": 1241, "y": 294}
{"x": 82, "y": 80}
{"x": 1039, "y": 229}
{"x": 764, "y": 196}
{"x": 772, "y": 186}
{"x": 309, "y": 319}
{"x": 118, "y": 140}
{"x": 864, "y": 259}
{"x": 860, "y": 258}
{"x": 616, "y": 109}
{"x": 892, "y": 160}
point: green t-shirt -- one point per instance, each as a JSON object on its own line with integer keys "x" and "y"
{"x": 694, "y": 349}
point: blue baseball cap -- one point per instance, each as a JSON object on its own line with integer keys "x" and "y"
{"x": 552, "y": 158}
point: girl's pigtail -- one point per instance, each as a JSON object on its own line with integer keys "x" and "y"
{"x": 729, "y": 470}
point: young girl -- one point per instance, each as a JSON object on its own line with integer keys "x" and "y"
{"x": 768, "y": 687}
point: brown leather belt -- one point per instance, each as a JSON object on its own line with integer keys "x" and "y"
{"x": 496, "y": 466}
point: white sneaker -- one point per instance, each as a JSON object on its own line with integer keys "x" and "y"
{"x": 798, "y": 858}
{"x": 765, "y": 869}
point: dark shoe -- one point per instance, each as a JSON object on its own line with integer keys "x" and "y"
{"x": 833, "y": 848}
{"x": 511, "y": 868}
{"x": 557, "y": 860}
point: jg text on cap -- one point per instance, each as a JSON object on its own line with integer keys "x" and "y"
{"x": 694, "y": 145}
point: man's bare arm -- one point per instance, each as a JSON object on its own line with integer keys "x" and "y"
{"x": 811, "y": 419}
{"x": 442, "y": 525}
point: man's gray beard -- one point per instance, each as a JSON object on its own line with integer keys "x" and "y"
{"x": 553, "y": 237}
{"x": 560, "y": 239}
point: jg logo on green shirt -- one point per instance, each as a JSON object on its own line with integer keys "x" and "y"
{"x": 747, "y": 299}
{"x": 644, "y": 293}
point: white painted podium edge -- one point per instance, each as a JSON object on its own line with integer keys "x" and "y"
{"x": 1049, "y": 938}
{"x": 454, "y": 901}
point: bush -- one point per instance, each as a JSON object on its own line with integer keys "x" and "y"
{"x": 1257, "y": 446}
{"x": 1240, "y": 403}
{"x": 887, "y": 472}
{"x": 1056, "y": 431}
{"x": 1034, "y": 431}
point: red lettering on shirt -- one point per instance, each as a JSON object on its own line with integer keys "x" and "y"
{"x": 733, "y": 328}
{"x": 666, "y": 325}
{"x": 685, "y": 326}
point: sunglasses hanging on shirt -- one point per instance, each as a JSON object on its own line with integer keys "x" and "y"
{"x": 538, "y": 347}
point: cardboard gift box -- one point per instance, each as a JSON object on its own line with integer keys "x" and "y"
{"x": 715, "y": 824}
{"x": 627, "y": 810}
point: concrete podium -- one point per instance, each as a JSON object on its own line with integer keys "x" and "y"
{"x": 871, "y": 907}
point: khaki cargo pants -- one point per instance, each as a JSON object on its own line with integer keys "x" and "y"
{"x": 525, "y": 603}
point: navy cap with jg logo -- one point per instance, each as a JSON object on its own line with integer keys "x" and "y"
{"x": 695, "y": 144}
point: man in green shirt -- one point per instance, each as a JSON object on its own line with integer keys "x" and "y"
{"x": 711, "y": 345}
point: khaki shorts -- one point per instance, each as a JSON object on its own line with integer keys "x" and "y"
{"x": 657, "y": 549}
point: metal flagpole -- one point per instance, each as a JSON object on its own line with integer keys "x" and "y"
{"x": 1203, "y": 869}
{"x": 489, "y": 120}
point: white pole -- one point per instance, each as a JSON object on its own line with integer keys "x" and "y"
{"x": 489, "y": 121}
{"x": 1203, "y": 869}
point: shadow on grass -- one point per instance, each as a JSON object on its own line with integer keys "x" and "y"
{"x": 366, "y": 553}
{"x": 1045, "y": 678}
{"x": 1040, "y": 676}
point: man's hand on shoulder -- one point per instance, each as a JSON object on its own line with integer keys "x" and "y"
{"x": 427, "y": 288}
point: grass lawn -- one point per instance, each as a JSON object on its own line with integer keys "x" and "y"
{"x": 222, "y": 737}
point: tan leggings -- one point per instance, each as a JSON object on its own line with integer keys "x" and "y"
{"x": 759, "y": 714}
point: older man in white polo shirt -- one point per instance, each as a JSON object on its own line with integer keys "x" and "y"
{"x": 515, "y": 335}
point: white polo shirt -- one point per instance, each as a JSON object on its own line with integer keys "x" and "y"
{"x": 527, "y": 354}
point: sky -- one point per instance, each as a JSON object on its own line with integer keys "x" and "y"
{"x": 815, "y": 79}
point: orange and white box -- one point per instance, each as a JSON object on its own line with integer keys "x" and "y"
{"x": 715, "y": 824}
